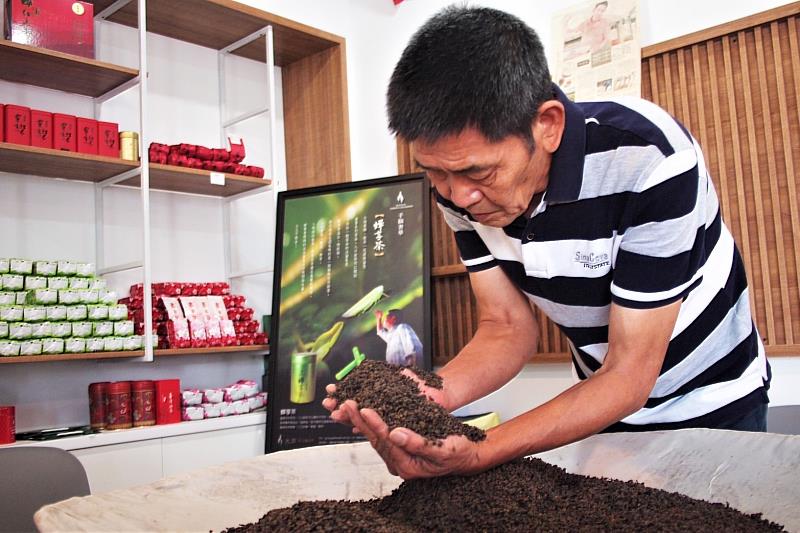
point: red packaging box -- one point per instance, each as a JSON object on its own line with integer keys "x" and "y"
{"x": 64, "y": 137}
{"x": 108, "y": 139}
{"x": 168, "y": 401}
{"x": 2, "y": 117}
{"x": 63, "y": 25}
{"x": 86, "y": 135}
{"x": 198, "y": 330}
{"x": 17, "y": 124}
{"x": 41, "y": 129}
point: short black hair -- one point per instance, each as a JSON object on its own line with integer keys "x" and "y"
{"x": 469, "y": 67}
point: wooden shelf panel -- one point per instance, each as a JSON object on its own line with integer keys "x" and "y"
{"x": 70, "y": 357}
{"x": 56, "y": 70}
{"x": 219, "y": 23}
{"x": 19, "y": 159}
{"x": 192, "y": 180}
{"x": 170, "y": 352}
{"x": 259, "y": 348}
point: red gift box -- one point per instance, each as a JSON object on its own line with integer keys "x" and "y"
{"x": 8, "y": 431}
{"x": 41, "y": 129}
{"x": 87, "y": 135}
{"x": 64, "y": 137}
{"x": 108, "y": 139}
{"x": 17, "y": 124}
{"x": 63, "y": 25}
{"x": 168, "y": 401}
{"x": 2, "y": 120}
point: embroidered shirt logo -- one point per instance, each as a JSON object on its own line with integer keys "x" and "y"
{"x": 592, "y": 260}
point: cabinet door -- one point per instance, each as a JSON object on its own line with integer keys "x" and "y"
{"x": 189, "y": 452}
{"x": 121, "y": 466}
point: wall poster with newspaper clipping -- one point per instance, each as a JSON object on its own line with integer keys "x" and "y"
{"x": 597, "y": 50}
{"x": 351, "y": 283}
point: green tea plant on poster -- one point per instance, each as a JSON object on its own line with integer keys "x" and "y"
{"x": 351, "y": 283}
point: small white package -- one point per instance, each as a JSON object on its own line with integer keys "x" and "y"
{"x": 9, "y": 348}
{"x": 3, "y": 330}
{"x": 52, "y": 346}
{"x": 226, "y": 409}
{"x": 66, "y": 268}
{"x": 19, "y": 331}
{"x": 241, "y": 407}
{"x": 4, "y": 266}
{"x": 58, "y": 283}
{"x": 35, "y": 282}
{"x": 117, "y": 312}
{"x": 30, "y": 347}
{"x": 86, "y": 270}
{"x": 123, "y": 328}
{"x": 56, "y": 312}
{"x": 213, "y": 395}
{"x": 12, "y": 313}
{"x": 112, "y": 344}
{"x": 134, "y": 342}
{"x": 13, "y": 282}
{"x": 75, "y": 345}
{"x": 212, "y": 410}
{"x": 41, "y": 330}
{"x": 192, "y": 397}
{"x": 97, "y": 312}
{"x": 42, "y": 296}
{"x": 20, "y": 266}
{"x": 69, "y": 297}
{"x": 45, "y": 268}
{"x": 61, "y": 329}
{"x": 76, "y": 312}
{"x": 78, "y": 283}
{"x": 95, "y": 344}
{"x": 97, "y": 283}
{"x": 192, "y": 412}
{"x": 34, "y": 313}
{"x": 107, "y": 297}
{"x": 82, "y": 329}
{"x": 102, "y": 329}
{"x": 8, "y": 298}
{"x": 89, "y": 296}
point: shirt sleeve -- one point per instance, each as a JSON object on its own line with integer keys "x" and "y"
{"x": 474, "y": 253}
{"x": 670, "y": 227}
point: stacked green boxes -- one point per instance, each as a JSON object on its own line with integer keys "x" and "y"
{"x": 52, "y": 307}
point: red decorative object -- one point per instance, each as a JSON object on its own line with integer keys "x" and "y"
{"x": 87, "y": 135}
{"x": 64, "y": 137}
{"x": 2, "y": 120}
{"x": 118, "y": 405}
{"x": 108, "y": 139}
{"x": 143, "y": 399}
{"x": 17, "y": 124}
{"x": 63, "y": 25}
{"x": 41, "y": 129}
{"x": 168, "y": 401}
{"x": 237, "y": 151}
{"x": 8, "y": 425}
{"x": 97, "y": 404}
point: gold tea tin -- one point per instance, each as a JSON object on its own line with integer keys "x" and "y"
{"x": 129, "y": 145}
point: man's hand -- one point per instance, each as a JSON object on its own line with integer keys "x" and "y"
{"x": 409, "y": 455}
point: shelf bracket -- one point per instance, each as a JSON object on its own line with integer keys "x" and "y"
{"x": 113, "y": 8}
{"x": 245, "y": 40}
{"x": 120, "y": 268}
{"x": 118, "y": 90}
{"x": 254, "y": 272}
{"x": 113, "y": 180}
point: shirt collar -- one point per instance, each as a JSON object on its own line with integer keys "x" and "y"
{"x": 566, "y": 167}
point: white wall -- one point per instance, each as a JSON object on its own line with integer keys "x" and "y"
{"x": 48, "y": 218}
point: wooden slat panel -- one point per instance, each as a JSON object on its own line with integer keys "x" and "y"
{"x": 738, "y": 93}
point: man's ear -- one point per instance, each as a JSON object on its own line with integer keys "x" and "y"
{"x": 548, "y": 126}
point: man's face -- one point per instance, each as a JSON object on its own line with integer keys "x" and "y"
{"x": 493, "y": 181}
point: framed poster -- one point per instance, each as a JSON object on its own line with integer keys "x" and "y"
{"x": 351, "y": 282}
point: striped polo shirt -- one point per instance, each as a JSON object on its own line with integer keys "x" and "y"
{"x": 630, "y": 216}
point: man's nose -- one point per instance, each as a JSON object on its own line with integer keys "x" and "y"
{"x": 463, "y": 193}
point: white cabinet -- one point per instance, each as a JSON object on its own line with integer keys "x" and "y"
{"x": 121, "y": 465}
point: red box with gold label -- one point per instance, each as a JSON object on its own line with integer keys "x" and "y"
{"x": 63, "y": 25}
{"x": 64, "y": 134}
{"x": 17, "y": 124}
{"x": 41, "y": 129}
{"x": 108, "y": 139}
{"x": 87, "y": 135}
{"x": 168, "y": 401}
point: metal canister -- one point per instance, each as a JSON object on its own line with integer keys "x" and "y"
{"x": 118, "y": 405}
{"x": 8, "y": 431}
{"x": 97, "y": 404}
{"x": 129, "y": 145}
{"x": 304, "y": 377}
{"x": 143, "y": 400}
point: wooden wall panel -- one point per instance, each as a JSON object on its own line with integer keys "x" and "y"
{"x": 736, "y": 88}
{"x": 738, "y": 94}
{"x": 316, "y": 119}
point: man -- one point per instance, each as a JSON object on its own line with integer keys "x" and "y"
{"x": 600, "y": 214}
{"x": 403, "y": 346}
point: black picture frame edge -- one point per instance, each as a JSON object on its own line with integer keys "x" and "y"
{"x": 278, "y": 258}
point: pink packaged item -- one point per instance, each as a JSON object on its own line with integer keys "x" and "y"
{"x": 228, "y": 332}
{"x": 213, "y": 395}
{"x": 214, "y": 333}
{"x": 212, "y": 410}
{"x": 172, "y": 306}
{"x": 241, "y": 407}
{"x": 192, "y": 412}
{"x": 234, "y": 393}
{"x": 198, "y": 331}
{"x": 216, "y": 307}
{"x": 226, "y": 409}
{"x": 256, "y": 402}
{"x": 192, "y": 397}
{"x": 250, "y": 387}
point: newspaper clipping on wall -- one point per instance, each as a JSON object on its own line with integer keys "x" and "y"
{"x": 597, "y": 50}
